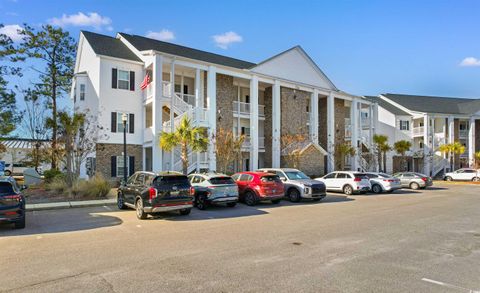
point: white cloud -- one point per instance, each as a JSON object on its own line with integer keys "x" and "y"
{"x": 470, "y": 62}
{"x": 91, "y": 19}
{"x": 163, "y": 35}
{"x": 11, "y": 30}
{"x": 226, "y": 39}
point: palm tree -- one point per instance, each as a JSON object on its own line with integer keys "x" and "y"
{"x": 187, "y": 137}
{"x": 344, "y": 150}
{"x": 401, "y": 147}
{"x": 382, "y": 147}
{"x": 452, "y": 149}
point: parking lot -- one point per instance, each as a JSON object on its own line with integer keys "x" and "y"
{"x": 408, "y": 241}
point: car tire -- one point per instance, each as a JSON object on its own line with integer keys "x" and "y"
{"x": 7, "y": 173}
{"x": 201, "y": 202}
{"x": 348, "y": 190}
{"x": 20, "y": 224}
{"x": 250, "y": 198}
{"x": 448, "y": 178}
{"x": 376, "y": 189}
{"x": 121, "y": 201}
{"x": 414, "y": 186}
{"x": 276, "y": 201}
{"x": 476, "y": 179}
{"x": 185, "y": 212}
{"x": 231, "y": 204}
{"x": 294, "y": 195}
{"x": 139, "y": 209}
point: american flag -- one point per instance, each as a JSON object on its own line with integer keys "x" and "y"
{"x": 145, "y": 82}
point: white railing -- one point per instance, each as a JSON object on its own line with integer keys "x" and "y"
{"x": 189, "y": 99}
{"x": 463, "y": 133}
{"x": 180, "y": 105}
{"x": 418, "y": 131}
{"x": 167, "y": 88}
{"x": 245, "y": 108}
{"x": 247, "y": 143}
{"x": 365, "y": 122}
{"x": 439, "y": 163}
{"x": 348, "y": 131}
{"x": 147, "y": 134}
{"x": 149, "y": 91}
{"x": 193, "y": 161}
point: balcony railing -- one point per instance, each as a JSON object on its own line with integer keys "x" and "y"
{"x": 418, "y": 131}
{"x": 365, "y": 122}
{"x": 147, "y": 134}
{"x": 463, "y": 133}
{"x": 247, "y": 142}
{"x": 348, "y": 131}
{"x": 245, "y": 108}
{"x": 189, "y": 99}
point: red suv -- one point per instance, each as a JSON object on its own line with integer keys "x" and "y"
{"x": 259, "y": 186}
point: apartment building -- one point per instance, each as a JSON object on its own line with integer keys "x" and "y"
{"x": 285, "y": 94}
{"x": 428, "y": 122}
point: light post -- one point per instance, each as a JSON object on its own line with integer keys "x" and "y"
{"x": 124, "y": 121}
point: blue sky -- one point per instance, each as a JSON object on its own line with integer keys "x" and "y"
{"x": 365, "y": 47}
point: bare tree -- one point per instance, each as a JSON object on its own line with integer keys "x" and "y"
{"x": 228, "y": 148}
{"x": 292, "y": 146}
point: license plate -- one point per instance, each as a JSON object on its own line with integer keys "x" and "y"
{"x": 175, "y": 193}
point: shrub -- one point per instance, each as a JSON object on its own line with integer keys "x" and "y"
{"x": 57, "y": 184}
{"x": 96, "y": 187}
{"x": 50, "y": 175}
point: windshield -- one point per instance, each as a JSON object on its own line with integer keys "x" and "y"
{"x": 295, "y": 175}
{"x": 384, "y": 175}
{"x": 6, "y": 188}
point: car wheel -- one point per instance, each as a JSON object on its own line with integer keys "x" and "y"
{"x": 294, "y": 195}
{"x": 201, "y": 202}
{"x": 476, "y": 179}
{"x": 185, "y": 212}
{"x": 20, "y": 224}
{"x": 348, "y": 190}
{"x": 8, "y": 173}
{"x": 414, "y": 185}
{"x": 376, "y": 188}
{"x": 139, "y": 209}
{"x": 448, "y": 178}
{"x": 121, "y": 201}
{"x": 276, "y": 201}
{"x": 231, "y": 204}
{"x": 250, "y": 198}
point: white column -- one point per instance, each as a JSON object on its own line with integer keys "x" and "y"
{"x": 157, "y": 124}
{"x": 331, "y": 132}
{"x": 471, "y": 143}
{"x": 254, "y": 123}
{"x": 354, "y": 121}
{"x": 451, "y": 129}
{"x": 212, "y": 114}
{"x": 276, "y": 132}
{"x": 426, "y": 145}
{"x": 172, "y": 124}
{"x": 314, "y": 116}
{"x": 198, "y": 107}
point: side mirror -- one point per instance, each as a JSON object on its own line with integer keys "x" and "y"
{"x": 23, "y": 187}
{"x": 283, "y": 179}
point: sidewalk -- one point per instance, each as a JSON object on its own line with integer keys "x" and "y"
{"x": 69, "y": 204}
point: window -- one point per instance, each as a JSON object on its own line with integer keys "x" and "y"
{"x": 308, "y": 105}
{"x": 463, "y": 126}
{"x": 82, "y": 92}
{"x": 342, "y": 176}
{"x": 235, "y": 177}
{"x": 330, "y": 176}
{"x": 221, "y": 180}
{"x": 120, "y": 122}
{"x": 420, "y": 144}
{"x": 245, "y": 131}
{"x": 294, "y": 175}
{"x": 140, "y": 179}
{"x": 120, "y": 167}
{"x": 244, "y": 177}
{"x": 364, "y": 115}
{"x": 123, "y": 79}
{"x": 404, "y": 125}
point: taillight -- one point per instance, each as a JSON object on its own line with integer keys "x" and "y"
{"x": 424, "y": 179}
{"x": 192, "y": 191}
{"x": 13, "y": 197}
{"x": 152, "y": 193}
{"x": 357, "y": 179}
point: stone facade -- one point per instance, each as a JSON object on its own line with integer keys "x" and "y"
{"x": 340, "y": 115}
{"x": 226, "y": 95}
{"x": 268, "y": 126}
{"x": 312, "y": 162}
{"x": 397, "y": 164}
{"x": 294, "y": 115}
{"x": 104, "y": 152}
{"x": 322, "y": 123}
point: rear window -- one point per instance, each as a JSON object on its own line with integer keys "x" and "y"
{"x": 6, "y": 188}
{"x": 270, "y": 178}
{"x": 172, "y": 179}
{"x": 360, "y": 175}
{"x": 221, "y": 180}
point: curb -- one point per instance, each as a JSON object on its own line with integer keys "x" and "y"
{"x": 69, "y": 204}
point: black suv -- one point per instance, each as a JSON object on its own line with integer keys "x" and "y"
{"x": 12, "y": 203}
{"x": 149, "y": 193}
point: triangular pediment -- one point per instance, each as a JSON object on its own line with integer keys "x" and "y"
{"x": 294, "y": 65}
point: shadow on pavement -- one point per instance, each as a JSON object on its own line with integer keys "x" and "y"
{"x": 58, "y": 221}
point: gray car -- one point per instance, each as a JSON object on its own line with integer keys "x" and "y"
{"x": 298, "y": 185}
{"x": 214, "y": 188}
{"x": 414, "y": 180}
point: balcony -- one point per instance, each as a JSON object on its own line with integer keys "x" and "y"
{"x": 348, "y": 131}
{"x": 189, "y": 99}
{"x": 242, "y": 108}
{"x": 365, "y": 122}
{"x": 247, "y": 143}
{"x": 463, "y": 133}
{"x": 149, "y": 90}
{"x": 418, "y": 131}
{"x": 147, "y": 134}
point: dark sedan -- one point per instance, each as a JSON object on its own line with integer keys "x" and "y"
{"x": 12, "y": 203}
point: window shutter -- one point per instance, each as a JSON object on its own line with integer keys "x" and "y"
{"x": 132, "y": 80}
{"x": 131, "y": 165}
{"x": 114, "y": 78}
{"x": 114, "y": 122}
{"x": 131, "y": 122}
{"x": 113, "y": 166}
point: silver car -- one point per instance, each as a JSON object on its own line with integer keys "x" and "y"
{"x": 298, "y": 185}
{"x": 414, "y": 180}
{"x": 382, "y": 182}
{"x": 214, "y": 188}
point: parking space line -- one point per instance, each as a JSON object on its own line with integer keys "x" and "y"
{"x": 449, "y": 285}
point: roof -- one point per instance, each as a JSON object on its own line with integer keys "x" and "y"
{"x": 433, "y": 104}
{"x": 109, "y": 46}
{"x": 387, "y": 106}
{"x": 144, "y": 44}
{"x": 20, "y": 143}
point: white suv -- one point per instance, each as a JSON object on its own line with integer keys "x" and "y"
{"x": 465, "y": 174}
{"x": 348, "y": 182}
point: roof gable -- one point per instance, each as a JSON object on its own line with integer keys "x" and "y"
{"x": 295, "y": 65}
{"x": 388, "y": 106}
{"x": 108, "y": 46}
